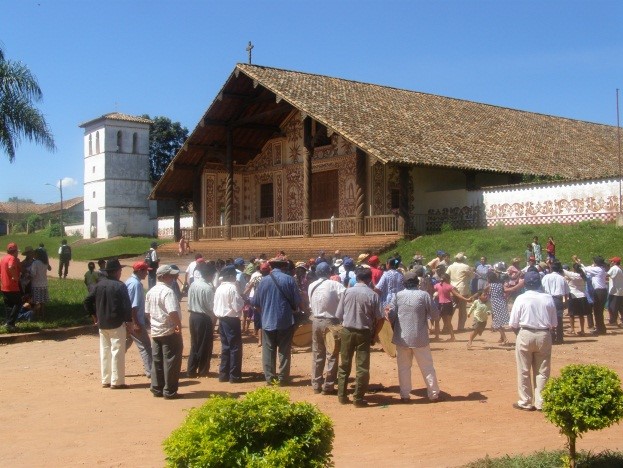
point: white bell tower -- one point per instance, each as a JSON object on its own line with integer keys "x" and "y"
{"x": 116, "y": 176}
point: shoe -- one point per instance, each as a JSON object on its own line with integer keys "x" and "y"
{"x": 223, "y": 379}
{"x": 329, "y": 391}
{"x": 119, "y": 387}
{"x": 317, "y": 391}
{"x": 360, "y": 404}
{"x": 156, "y": 394}
{"x": 235, "y": 380}
{"x": 523, "y": 408}
{"x": 191, "y": 375}
{"x": 105, "y": 385}
{"x": 175, "y": 396}
{"x": 344, "y": 400}
{"x": 405, "y": 400}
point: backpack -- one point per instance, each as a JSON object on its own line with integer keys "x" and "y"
{"x": 148, "y": 259}
{"x": 65, "y": 252}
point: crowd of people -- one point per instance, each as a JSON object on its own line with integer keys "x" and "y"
{"x": 346, "y": 302}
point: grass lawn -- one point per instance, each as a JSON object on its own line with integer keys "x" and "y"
{"x": 584, "y": 239}
{"x": 122, "y": 247}
{"x": 65, "y": 308}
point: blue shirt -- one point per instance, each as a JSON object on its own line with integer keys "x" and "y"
{"x": 390, "y": 283}
{"x": 137, "y": 297}
{"x": 276, "y": 310}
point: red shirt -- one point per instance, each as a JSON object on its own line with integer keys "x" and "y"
{"x": 10, "y": 280}
{"x": 376, "y": 274}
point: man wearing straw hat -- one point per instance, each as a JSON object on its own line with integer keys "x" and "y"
{"x": 110, "y": 306}
{"x": 324, "y": 297}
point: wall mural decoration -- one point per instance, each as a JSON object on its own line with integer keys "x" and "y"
{"x": 378, "y": 188}
{"x": 277, "y": 150}
{"x": 210, "y": 201}
{"x": 278, "y": 185}
{"x": 563, "y": 210}
{"x": 295, "y": 152}
{"x": 294, "y": 195}
{"x": 458, "y": 217}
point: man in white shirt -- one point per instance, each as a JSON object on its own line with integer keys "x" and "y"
{"x": 555, "y": 285}
{"x": 533, "y": 316}
{"x": 228, "y": 304}
{"x": 597, "y": 274}
{"x": 324, "y": 297}
{"x": 461, "y": 276}
{"x": 615, "y": 291}
{"x": 166, "y": 334}
{"x": 189, "y": 277}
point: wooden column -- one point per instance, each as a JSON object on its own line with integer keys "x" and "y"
{"x": 197, "y": 203}
{"x": 405, "y": 196}
{"x": 177, "y": 233}
{"x": 360, "y": 191}
{"x": 307, "y": 175}
{"x": 229, "y": 184}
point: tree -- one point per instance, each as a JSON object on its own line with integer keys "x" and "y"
{"x": 584, "y": 398}
{"x": 19, "y": 117}
{"x": 165, "y": 140}
{"x": 19, "y": 200}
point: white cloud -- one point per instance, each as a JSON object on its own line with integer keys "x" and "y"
{"x": 67, "y": 182}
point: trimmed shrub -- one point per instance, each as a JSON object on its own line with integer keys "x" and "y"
{"x": 263, "y": 429}
{"x": 584, "y": 398}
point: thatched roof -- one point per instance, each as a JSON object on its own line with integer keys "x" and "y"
{"x": 394, "y": 126}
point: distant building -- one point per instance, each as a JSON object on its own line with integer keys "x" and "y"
{"x": 116, "y": 177}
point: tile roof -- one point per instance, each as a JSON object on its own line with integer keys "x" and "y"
{"x": 117, "y": 116}
{"x": 401, "y": 126}
{"x": 38, "y": 208}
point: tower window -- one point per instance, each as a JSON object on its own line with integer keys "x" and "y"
{"x": 118, "y": 141}
{"x": 90, "y": 145}
{"x": 134, "y": 143}
{"x": 97, "y": 142}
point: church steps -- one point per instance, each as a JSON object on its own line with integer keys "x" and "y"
{"x": 295, "y": 248}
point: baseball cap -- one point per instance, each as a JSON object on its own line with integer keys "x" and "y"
{"x": 323, "y": 269}
{"x": 229, "y": 271}
{"x": 11, "y": 247}
{"x": 167, "y": 270}
{"x": 532, "y": 280}
{"x": 410, "y": 276}
{"x": 373, "y": 260}
{"x": 613, "y": 259}
{"x": 239, "y": 261}
{"x": 137, "y": 266}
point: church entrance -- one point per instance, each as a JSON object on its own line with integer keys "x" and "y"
{"x": 325, "y": 195}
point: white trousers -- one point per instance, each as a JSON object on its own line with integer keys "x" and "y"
{"x": 424, "y": 359}
{"x": 533, "y": 353}
{"x": 112, "y": 355}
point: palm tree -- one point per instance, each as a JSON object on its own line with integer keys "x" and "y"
{"x": 18, "y": 116}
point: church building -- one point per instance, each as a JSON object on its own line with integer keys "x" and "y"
{"x": 285, "y": 153}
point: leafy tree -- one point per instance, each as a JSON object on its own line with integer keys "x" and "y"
{"x": 584, "y": 398}
{"x": 165, "y": 140}
{"x": 19, "y": 117}
{"x": 19, "y": 200}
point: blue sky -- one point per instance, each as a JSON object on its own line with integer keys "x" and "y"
{"x": 170, "y": 58}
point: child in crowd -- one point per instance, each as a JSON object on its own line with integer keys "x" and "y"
{"x": 536, "y": 249}
{"x": 528, "y": 253}
{"x": 26, "y": 314}
{"x": 481, "y": 310}
{"x": 91, "y": 276}
{"x": 551, "y": 249}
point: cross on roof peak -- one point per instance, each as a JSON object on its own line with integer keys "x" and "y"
{"x": 249, "y": 49}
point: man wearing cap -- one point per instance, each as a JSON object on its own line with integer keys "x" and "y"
{"x": 110, "y": 306}
{"x": 555, "y": 285}
{"x": 615, "y": 291}
{"x": 189, "y": 276}
{"x": 409, "y": 313}
{"x": 64, "y": 257}
{"x": 153, "y": 262}
{"x": 228, "y": 304}
{"x": 138, "y": 333}
{"x": 439, "y": 260}
{"x": 201, "y": 321}
{"x": 359, "y": 311}
{"x": 241, "y": 278}
{"x": 324, "y": 297}
{"x": 533, "y": 317}
{"x": 362, "y": 260}
{"x": 347, "y": 272}
{"x": 277, "y": 297}
{"x": 390, "y": 283}
{"x": 10, "y": 271}
{"x": 598, "y": 276}
{"x": 166, "y": 334}
{"x": 461, "y": 275}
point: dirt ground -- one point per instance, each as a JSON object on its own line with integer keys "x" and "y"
{"x": 54, "y": 411}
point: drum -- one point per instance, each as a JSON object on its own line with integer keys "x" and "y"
{"x": 333, "y": 339}
{"x": 302, "y": 335}
{"x": 385, "y": 337}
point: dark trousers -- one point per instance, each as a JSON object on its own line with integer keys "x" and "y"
{"x": 557, "y": 334}
{"x": 277, "y": 342}
{"x": 151, "y": 279}
{"x": 231, "y": 348}
{"x": 201, "y": 342}
{"x": 599, "y": 303}
{"x": 12, "y": 304}
{"x": 615, "y": 308}
{"x": 63, "y": 266}
{"x": 354, "y": 343}
{"x": 167, "y": 364}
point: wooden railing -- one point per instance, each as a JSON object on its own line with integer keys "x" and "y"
{"x": 382, "y": 224}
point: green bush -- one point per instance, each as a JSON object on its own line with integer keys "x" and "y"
{"x": 264, "y": 429}
{"x": 583, "y": 398}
